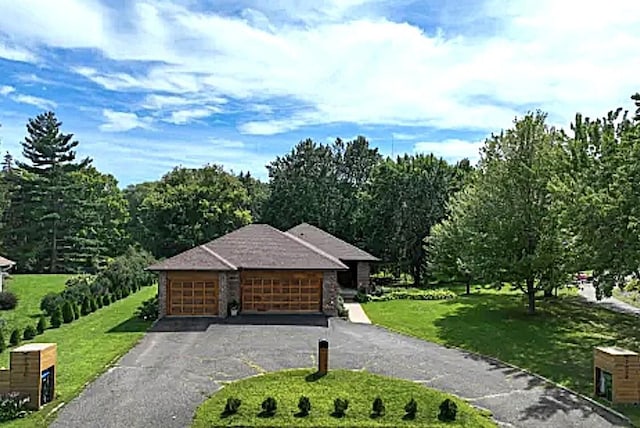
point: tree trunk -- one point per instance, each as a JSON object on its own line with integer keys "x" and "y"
{"x": 468, "y": 286}
{"x": 531, "y": 294}
{"x": 54, "y": 248}
{"x": 416, "y": 275}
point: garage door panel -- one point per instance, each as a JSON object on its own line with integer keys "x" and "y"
{"x": 284, "y": 291}
{"x": 192, "y": 295}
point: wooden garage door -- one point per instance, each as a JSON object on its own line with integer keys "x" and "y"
{"x": 281, "y": 291}
{"x": 192, "y": 294}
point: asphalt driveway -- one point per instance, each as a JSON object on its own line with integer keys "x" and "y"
{"x": 162, "y": 381}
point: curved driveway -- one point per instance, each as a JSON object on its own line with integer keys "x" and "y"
{"x": 176, "y": 366}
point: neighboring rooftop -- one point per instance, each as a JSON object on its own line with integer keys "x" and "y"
{"x": 4, "y": 262}
{"x": 331, "y": 244}
{"x": 255, "y": 246}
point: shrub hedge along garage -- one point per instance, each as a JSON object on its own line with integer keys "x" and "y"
{"x": 262, "y": 268}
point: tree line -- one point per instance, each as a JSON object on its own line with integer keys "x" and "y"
{"x": 540, "y": 204}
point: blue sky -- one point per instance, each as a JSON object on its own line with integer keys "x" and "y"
{"x": 149, "y": 85}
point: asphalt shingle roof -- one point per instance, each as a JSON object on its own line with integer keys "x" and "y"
{"x": 255, "y": 246}
{"x": 330, "y": 244}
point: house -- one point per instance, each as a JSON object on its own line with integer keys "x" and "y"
{"x": 5, "y": 266}
{"x": 264, "y": 269}
{"x": 357, "y": 260}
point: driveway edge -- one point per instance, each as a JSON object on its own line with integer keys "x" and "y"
{"x": 600, "y": 408}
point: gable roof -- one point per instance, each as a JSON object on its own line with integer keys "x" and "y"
{"x": 330, "y": 244}
{"x": 4, "y": 262}
{"x": 255, "y": 246}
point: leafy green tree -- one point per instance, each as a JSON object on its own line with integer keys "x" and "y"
{"x": 600, "y": 196}
{"x": 505, "y": 222}
{"x": 257, "y": 192}
{"x": 406, "y": 198}
{"x": 191, "y": 206}
{"x": 322, "y": 185}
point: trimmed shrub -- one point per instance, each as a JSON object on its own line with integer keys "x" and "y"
{"x": 50, "y": 302}
{"x": 361, "y": 297}
{"x": 76, "y": 311}
{"x": 269, "y": 406}
{"x": 148, "y": 310}
{"x": 56, "y": 318}
{"x": 8, "y": 300}
{"x": 448, "y": 410}
{"x": 12, "y": 406}
{"x": 106, "y": 300}
{"x": 15, "y": 338}
{"x": 99, "y": 302}
{"x": 93, "y": 305}
{"x": 304, "y": 405}
{"x": 411, "y": 408}
{"x": 232, "y": 406}
{"x": 118, "y": 294}
{"x": 413, "y": 294}
{"x": 86, "y": 306}
{"x": 340, "y": 406}
{"x": 342, "y": 311}
{"x": 126, "y": 291}
{"x": 42, "y": 325}
{"x": 67, "y": 312}
{"x": 378, "y": 408}
{"x": 29, "y": 332}
{"x": 3, "y": 342}
{"x": 113, "y": 298}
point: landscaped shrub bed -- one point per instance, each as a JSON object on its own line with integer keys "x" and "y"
{"x": 387, "y": 293}
{"x": 302, "y": 398}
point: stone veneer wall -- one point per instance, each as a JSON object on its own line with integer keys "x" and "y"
{"x": 233, "y": 285}
{"x": 162, "y": 294}
{"x": 330, "y": 293}
{"x": 363, "y": 271}
{"x": 223, "y": 295}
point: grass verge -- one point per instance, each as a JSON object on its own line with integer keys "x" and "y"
{"x": 359, "y": 387}
{"x": 557, "y": 343}
{"x": 86, "y": 347}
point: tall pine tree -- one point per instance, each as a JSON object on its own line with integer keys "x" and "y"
{"x": 42, "y": 195}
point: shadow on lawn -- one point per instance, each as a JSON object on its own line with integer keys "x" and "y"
{"x": 132, "y": 325}
{"x": 557, "y": 343}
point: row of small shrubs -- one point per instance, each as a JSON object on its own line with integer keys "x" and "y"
{"x": 119, "y": 278}
{"x": 406, "y": 294}
{"x": 17, "y": 335}
{"x": 448, "y": 408}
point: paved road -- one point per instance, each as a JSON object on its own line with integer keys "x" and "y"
{"x": 589, "y": 292}
{"x": 162, "y": 381}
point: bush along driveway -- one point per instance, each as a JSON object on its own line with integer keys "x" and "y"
{"x": 178, "y": 364}
{"x": 86, "y": 348}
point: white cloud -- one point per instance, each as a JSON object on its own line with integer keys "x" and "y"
{"x": 451, "y": 149}
{"x": 403, "y": 137}
{"x": 182, "y": 117}
{"x": 13, "y": 53}
{"x": 348, "y": 67}
{"x": 227, "y": 144}
{"x": 6, "y": 90}
{"x": 34, "y": 101}
{"x": 121, "y": 121}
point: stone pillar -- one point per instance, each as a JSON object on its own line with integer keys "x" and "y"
{"x": 233, "y": 287}
{"x": 162, "y": 294}
{"x": 363, "y": 272}
{"x": 223, "y": 295}
{"x": 330, "y": 293}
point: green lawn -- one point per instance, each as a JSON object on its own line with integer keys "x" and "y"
{"x": 30, "y": 289}
{"x": 632, "y": 298}
{"x": 86, "y": 347}
{"x": 556, "y": 343}
{"x": 359, "y": 387}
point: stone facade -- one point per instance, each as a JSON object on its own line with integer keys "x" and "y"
{"x": 233, "y": 286}
{"x": 162, "y": 294}
{"x": 362, "y": 276}
{"x": 330, "y": 292}
{"x": 223, "y": 293}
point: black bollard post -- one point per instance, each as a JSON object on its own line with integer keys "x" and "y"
{"x": 323, "y": 357}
